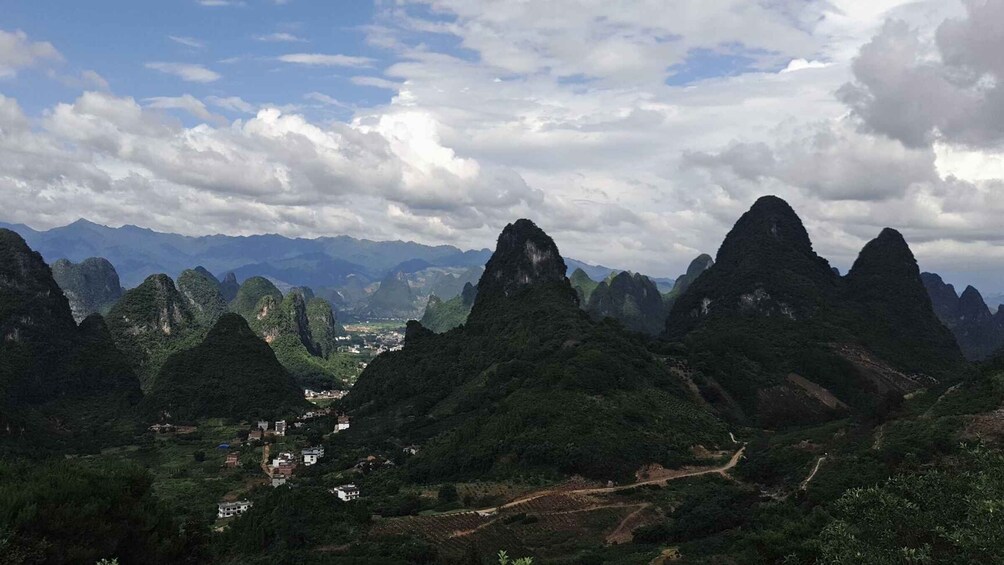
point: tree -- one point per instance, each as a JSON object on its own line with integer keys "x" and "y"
{"x": 504, "y": 559}
{"x": 448, "y": 493}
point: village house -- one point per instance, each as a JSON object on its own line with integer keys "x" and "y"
{"x": 346, "y": 493}
{"x": 283, "y": 469}
{"x": 343, "y": 423}
{"x": 161, "y": 428}
{"x": 284, "y": 457}
{"x": 228, "y": 509}
{"x": 254, "y": 435}
{"x": 263, "y": 425}
{"x": 411, "y": 449}
{"x": 372, "y": 463}
{"x": 280, "y": 428}
{"x": 311, "y": 455}
{"x": 233, "y": 460}
{"x": 278, "y": 480}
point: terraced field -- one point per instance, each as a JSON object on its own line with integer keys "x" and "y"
{"x": 543, "y": 521}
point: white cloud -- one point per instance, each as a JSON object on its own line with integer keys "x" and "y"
{"x": 920, "y": 90}
{"x": 326, "y": 60}
{"x": 325, "y": 99}
{"x": 187, "y": 41}
{"x": 185, "y": 71}
{"x": 186, "y": 102}
{"x": 18, "y": 52}
{"x": 232, "y": 103}
{"x": 802, "y": 64}
{"x": 280, "y": 37}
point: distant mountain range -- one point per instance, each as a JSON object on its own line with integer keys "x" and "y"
{"x": 323, "y": 262}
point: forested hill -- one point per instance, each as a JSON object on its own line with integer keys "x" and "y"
{"x": 770, "y": 307}
{"x": 529, "y": 382}
{"x": 59, "y": 383}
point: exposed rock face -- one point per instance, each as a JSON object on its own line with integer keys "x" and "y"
{"x": 632, "y": 299}
{"x": 151, "y": 321}
{"x": 229, "y": 287}
{"x": 91, "y": 286}
{"x": 978, "y": 331}
{"x": 250, "y": 295}
{"x": 323, "y": 325}
{"x": 286, "y": 317}
{"x": 524, "y": 256}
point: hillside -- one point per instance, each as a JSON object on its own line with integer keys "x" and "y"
{"x": 770, "y": 308}
{"x": 442, "y": 316}
{"x": 630, "y": 298}
{"x": 59, "y": 383}
{"x": 583, "y": 285}
{"x": 203, "y": 294}
{"x": 301, "y": 333}
{"x": 700, "y": 264}
{"x": 150, "y": 322}
{"x": 250, "y": 293}
{"x": 232, "y": 373}
{"x": 978, "y": 331}
{"x": 392, "y": 299}
{"x": 91, "y": 286}
{"x": 528, "y": 383}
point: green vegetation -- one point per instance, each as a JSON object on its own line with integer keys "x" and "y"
{"x": 202, "y": 291}
{"x": 250, "y": 294}
{"x": 443, "y": 316}
{"x": 583, "y": 285}
{"x": 60, "y": 384}
{"x": 150, "y": 323}
{"x": 631, "y": 299}
{"x": 770, "y": 307}
{"x": 231, "y": 374}
{"x": 62, "y": 512}
{"x": 392, "y": 299}
{"x": 529, "y": 384}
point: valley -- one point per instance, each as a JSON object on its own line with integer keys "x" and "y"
{"x": 552, "y": 420}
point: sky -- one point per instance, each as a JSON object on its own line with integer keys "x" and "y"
{"x": 634, "y": 132}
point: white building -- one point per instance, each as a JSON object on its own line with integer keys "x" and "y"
{"x": 278, "y": 480}
{"x": 346, "y": 492}
{"x": 284, "y": 457}
{"x": 263, "y": 425}
{"x": 311, "y": 455}
{"x": 343, "y": 423}
{"x": 228, "y": 509}
{"x": 280, "y": 428}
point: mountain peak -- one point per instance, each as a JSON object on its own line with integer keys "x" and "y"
{"x": 524, "y": 256}
{"x": 886, "y": 255}
{"x": 769, "y": 223}
{"x": 972, "y": 305}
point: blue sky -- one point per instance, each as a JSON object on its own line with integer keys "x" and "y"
{"x": 240, "y": 42}
{"x": 633, "y": 131}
